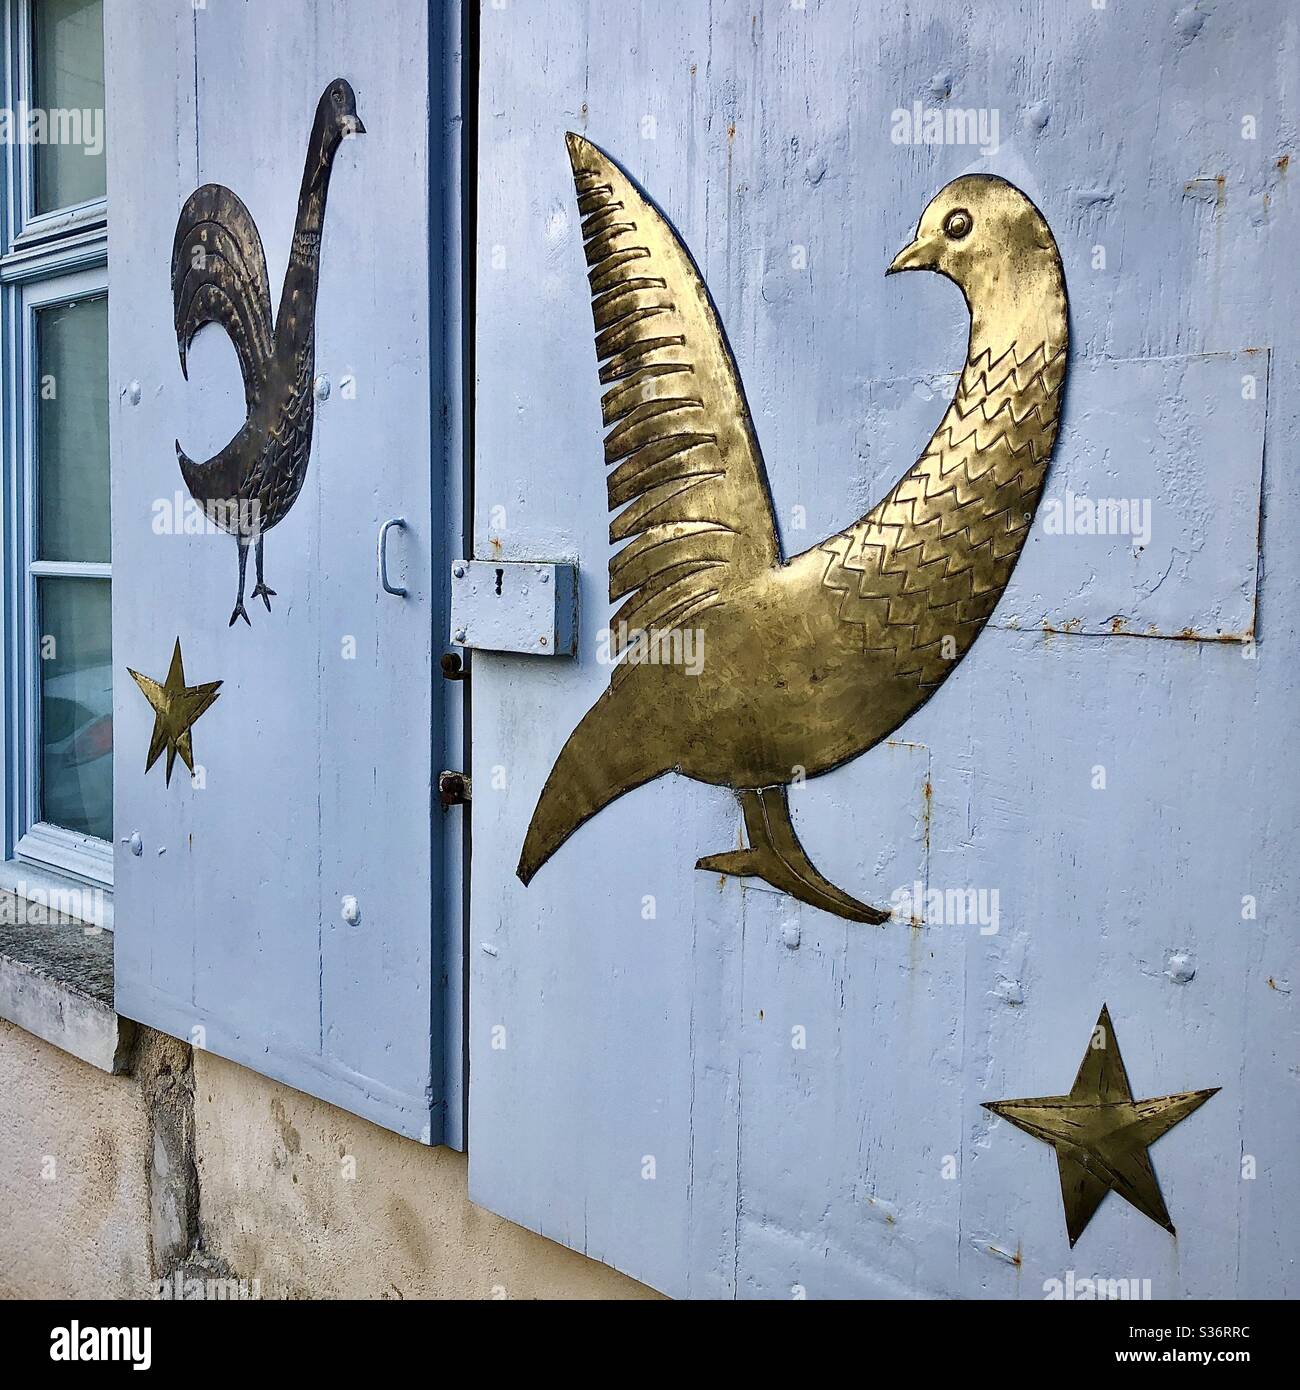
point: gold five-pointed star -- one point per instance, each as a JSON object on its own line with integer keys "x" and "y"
{"x": 176, "y": 707}
{"x": 1100, "y": 1133}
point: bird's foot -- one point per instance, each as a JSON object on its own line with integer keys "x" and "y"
{"x": 807, "y": 887}
{"x": 265, "y": 594}
{"x": 776, "y": 856}
{"x": 240, "y": 612}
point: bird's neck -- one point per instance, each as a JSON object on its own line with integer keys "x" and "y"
{"x": 1023, "y": 310}
{"x": 1003, "y": 416}
{"x": 939, "y": 549}
{"x": 322, "y": 146}
{"x": 298, "y": 299}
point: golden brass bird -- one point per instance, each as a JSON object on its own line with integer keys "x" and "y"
{"x": 807, "y": 662}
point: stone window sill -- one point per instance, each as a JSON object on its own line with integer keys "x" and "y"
{"x": 56, "y": 981}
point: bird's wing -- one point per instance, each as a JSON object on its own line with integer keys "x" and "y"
{"x": 219, "y": 276}
{"x": 686, "y": 468}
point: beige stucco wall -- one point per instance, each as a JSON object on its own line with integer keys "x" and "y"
{"x": 278, "y": 1204}
{"x": 83, "y": 1231}
{"x": 278, "y": 1200}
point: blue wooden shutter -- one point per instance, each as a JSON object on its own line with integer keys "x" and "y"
{"x": 635, "y": 1090}
{"x": 320, "y": 755}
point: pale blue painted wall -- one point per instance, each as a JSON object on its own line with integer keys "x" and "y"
{"x": 625, "y": 1037}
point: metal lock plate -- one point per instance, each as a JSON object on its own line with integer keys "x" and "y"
{"x": 515, "y": 606}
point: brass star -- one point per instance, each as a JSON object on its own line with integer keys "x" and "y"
{"x": 176, "y": 707}
{"x": 1100, "y": 1133}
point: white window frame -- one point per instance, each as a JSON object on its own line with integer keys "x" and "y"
{"x": 54, "y": 258}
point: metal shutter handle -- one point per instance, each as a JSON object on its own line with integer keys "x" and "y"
{"x": 388, "y": 588}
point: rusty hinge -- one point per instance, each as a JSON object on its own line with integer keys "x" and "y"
{"x": 453, "y": 668}
{"x": 453, "y": 789}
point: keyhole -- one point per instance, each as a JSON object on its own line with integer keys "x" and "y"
{"x": 501, "y": 574}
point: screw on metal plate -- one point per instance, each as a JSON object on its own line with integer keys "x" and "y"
{"x": 504, "y": 605}
{"x": 453, "y": 789}
{"x": 349, "y": 910}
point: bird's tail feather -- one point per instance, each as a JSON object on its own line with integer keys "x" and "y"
{"x": 596, "y": 766}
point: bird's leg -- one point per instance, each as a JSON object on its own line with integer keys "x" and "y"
{"x": 262, "y": 592}
{"x": 240, "y": 611}
{"x": 776, "y": 856}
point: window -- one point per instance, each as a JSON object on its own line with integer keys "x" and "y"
{"x": 58, "y": 685}
{"x": 67, "y": 81}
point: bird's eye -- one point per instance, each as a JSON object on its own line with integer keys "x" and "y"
{"x": 957, "y": 224}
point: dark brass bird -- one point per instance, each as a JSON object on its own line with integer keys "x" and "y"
{"x": 808, "y": 661}
{"x": 219, "y": 276}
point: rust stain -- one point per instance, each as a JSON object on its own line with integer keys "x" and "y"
{"x": 1220, "y": 183}
{"x": 1284, "y": 163}
{"x": 731, "y": 132}
{"x": 1016, "y": 1258}
{"x": 927, "y": 797}
{"x": 1118, "y": 627}
{"x": 495, "y": 544}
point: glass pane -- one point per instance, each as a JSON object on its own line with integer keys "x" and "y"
{"x": 75, "y": 650}
{"x": 72, "y": 430}
{"x": 66, "y": 123}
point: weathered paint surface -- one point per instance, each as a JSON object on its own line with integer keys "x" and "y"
{"x": 320, "y": 755}
{"x": 625, "y": 1008}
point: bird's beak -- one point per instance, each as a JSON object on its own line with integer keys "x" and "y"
{"x": 352, "y": 126}
{"x": 920, "y": 254}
